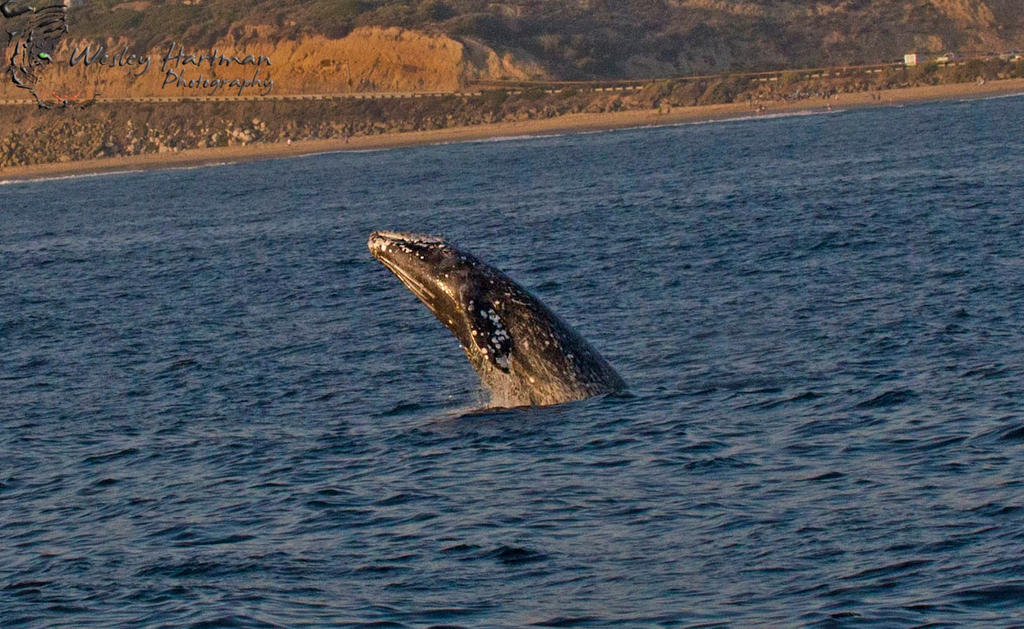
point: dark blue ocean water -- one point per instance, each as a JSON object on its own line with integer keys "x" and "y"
{"x": 216, "y": 409}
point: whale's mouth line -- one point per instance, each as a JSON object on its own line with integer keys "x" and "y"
{"x": 381, "y": 241}
{"x": 415, "y": 286}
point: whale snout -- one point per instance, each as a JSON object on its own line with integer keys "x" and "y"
{"x": 381, "y": 240}
{"x": 378, "y": 242}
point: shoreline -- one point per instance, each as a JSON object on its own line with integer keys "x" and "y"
{"x": 570, "y": 123}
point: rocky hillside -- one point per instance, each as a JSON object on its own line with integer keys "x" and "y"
{"x": 400, "y": 45}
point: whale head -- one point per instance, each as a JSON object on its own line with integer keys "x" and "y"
{"x": 441, "y": 276}
{"x": 522, "y": 351}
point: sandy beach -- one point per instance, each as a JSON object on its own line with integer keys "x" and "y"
{"x": 562, "y": 124}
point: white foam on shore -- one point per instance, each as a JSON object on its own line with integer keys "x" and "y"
{"x": 766, "y": 116}
{"x": 996, "y": 97}
{"x": 45, "y": 178}
{"x": 328, "y": 152}
{"x": 108, "y": 173}
{"x": 655, "y": 125}
{"x": 512, "y": 138}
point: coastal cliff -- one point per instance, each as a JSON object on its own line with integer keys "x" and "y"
{"x": 369, "y": 59}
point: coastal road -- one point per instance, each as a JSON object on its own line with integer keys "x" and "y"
{"x": 635, "y": 84}
{"x": 206, "y": 98}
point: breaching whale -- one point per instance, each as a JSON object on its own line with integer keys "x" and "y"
{"x": 523, "y": 352}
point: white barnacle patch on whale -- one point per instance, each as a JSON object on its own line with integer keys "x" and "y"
{"x": 490, "y": 336}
